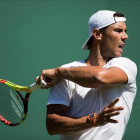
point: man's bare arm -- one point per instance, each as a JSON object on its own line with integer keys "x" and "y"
{"x": 57, "y": 122}
{"x": 89, "y": 76}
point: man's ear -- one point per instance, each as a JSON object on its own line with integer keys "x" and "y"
{"x": 97, "y": 34}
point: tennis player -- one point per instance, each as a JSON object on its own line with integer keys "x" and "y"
{"x": 80, "y": 104}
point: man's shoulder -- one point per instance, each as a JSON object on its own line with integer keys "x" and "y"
{"x": 121, "y": 60}
{"x": 124, "y": 63}
{"x": 75, "y": 64}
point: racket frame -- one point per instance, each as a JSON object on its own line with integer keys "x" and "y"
{"x": 18, "y": 88}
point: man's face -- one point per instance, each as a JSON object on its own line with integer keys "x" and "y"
{"x": 113, "y": 40}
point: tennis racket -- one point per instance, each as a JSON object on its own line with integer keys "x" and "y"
{"x": 13, "y": 106}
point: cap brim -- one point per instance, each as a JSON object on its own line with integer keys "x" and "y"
{"x": 85, "y": 46}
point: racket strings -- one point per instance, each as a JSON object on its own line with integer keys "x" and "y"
{"x": 11, "y": 105}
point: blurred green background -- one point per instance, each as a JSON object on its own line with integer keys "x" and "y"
{"x": 36, "y": 35}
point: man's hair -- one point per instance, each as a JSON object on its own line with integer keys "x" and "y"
{"x": 102, "y": 30}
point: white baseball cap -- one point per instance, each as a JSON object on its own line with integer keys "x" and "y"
{"x": 100, "y": 20}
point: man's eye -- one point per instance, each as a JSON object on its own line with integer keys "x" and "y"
{"x": 119, "y": 30}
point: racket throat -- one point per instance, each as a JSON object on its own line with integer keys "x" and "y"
{"x": 26, "y": 102}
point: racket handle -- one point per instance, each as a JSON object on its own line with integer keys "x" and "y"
{"x": 35, "y": 87}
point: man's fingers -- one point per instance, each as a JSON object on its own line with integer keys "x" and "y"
{"x": 112, "y": 121}
{"x": 111, "y": 114}
{"x": 48, "y": 80}
{"x": 113, "y": 103}
{"x": 113, "y": 109}
{"x": 46, "y": 86}
{"x": 37, "y": 79}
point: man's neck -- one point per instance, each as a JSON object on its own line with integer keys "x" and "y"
{"x": 95, "y": 62}
{"x": 95, "y": 58}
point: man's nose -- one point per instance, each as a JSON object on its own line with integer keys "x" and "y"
{"x": 124, "y": 36}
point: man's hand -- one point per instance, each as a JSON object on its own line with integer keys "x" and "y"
{"x": 109, "y": 111}
{"x": 49, "y": 77}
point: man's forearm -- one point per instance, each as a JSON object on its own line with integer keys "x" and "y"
{"x": 66, "y": 125}
{"x": 61, "y": 124}
{"x": 84, "y": 76}
{"x": 87, "y": 76}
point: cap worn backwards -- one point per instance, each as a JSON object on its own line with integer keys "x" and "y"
{"x": 100, "y": 20}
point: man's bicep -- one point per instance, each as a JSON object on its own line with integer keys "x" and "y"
{"x": 114, "y": 76}
{"x": 53, "y": 117}
{"x": 58, "y": 109}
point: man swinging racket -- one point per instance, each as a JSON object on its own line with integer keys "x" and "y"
{"x": 82, "y": 103}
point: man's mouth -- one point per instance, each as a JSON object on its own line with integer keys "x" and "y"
{"x": 121, "y": 47}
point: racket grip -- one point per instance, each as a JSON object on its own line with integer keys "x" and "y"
{"x": 35, "y": 87}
